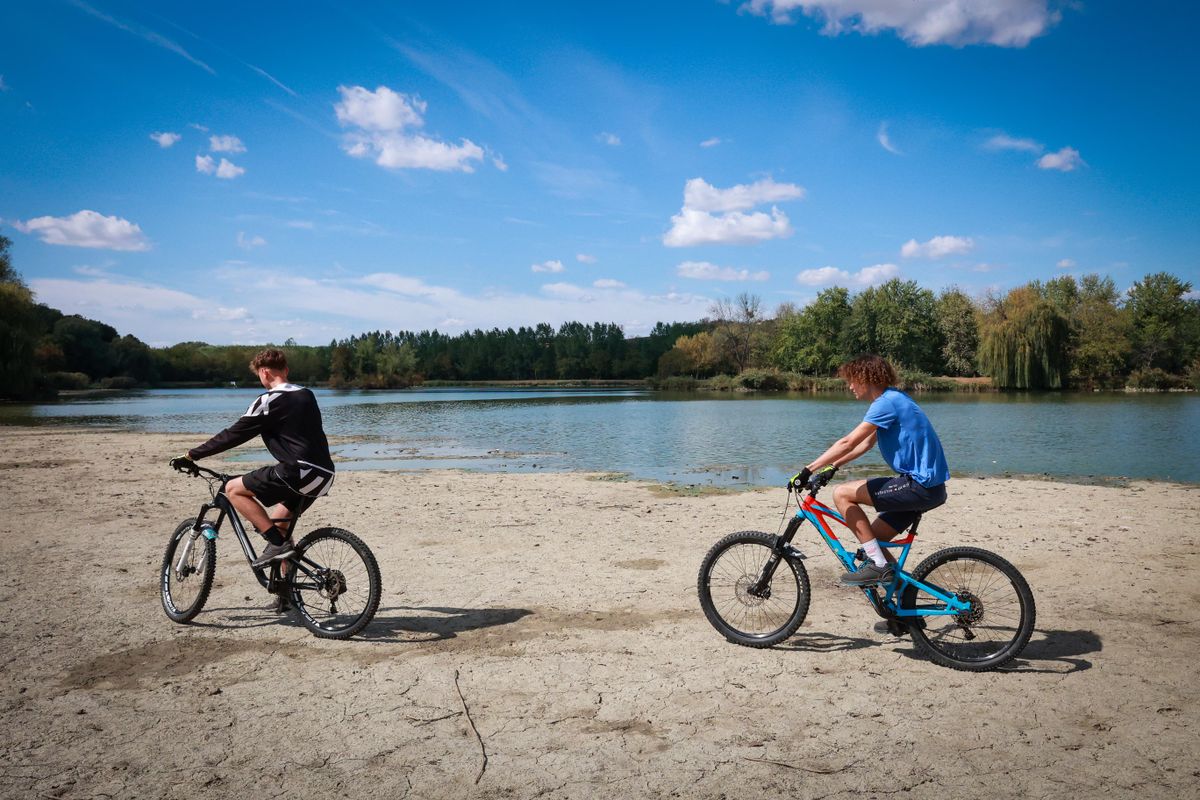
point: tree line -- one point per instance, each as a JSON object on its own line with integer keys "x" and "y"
{"x": 1062, "y": 333}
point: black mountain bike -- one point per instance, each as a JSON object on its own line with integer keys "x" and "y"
{"x": 332, "y": 581}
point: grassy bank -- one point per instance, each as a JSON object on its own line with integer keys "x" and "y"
{"x": 762, "y": 380}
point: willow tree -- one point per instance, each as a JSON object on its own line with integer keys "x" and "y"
{"x": 1023, "y": 342}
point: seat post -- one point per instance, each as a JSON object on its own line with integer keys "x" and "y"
{"x": 912, "y": 529}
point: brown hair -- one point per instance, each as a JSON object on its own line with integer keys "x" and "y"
{"x": 869, "y": 369}
{"x": 271, "y": 358}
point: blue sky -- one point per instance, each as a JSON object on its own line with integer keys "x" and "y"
{"x": 252, "y": 172}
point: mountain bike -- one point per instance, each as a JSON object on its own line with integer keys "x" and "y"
{"x": 332, "y": 581}
{"x": 965, "y": 608}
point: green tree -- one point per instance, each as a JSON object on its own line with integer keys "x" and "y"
{"x": 959, "y": 327}
{"x": 808, "y": 341}
{"x": 1163, "y": 323}
{"x": 1023, "y": 341}
{"x": 898, "y": 321}
{"x": 1101, "y": 346}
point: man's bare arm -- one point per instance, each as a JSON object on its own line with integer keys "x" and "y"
{"x": 847, "y": 448}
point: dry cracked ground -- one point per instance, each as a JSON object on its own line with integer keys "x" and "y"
{"x": 540, "y": 636}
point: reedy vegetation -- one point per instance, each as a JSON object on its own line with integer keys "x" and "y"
{"x": 1058, "y": 334}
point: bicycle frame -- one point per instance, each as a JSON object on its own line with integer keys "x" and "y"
{"x": 887, "y": 606}
{"x": 225, "y": 510}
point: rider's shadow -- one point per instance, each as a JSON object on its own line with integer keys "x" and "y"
{"x": 436, "y": 624}
{"x": 1049, "y": 648}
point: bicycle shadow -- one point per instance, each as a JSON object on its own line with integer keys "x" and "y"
{"x": 447, "y": 624}
{"x": 819, "y": 642}
{"x": 400, "y": 628}
{"x": 1046, "y": 649}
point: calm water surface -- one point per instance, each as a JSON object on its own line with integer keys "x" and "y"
{"x": 687, "y": 438}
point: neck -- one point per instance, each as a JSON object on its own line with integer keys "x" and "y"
{"x": 874, "y": 392}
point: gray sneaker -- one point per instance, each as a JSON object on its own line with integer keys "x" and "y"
{"x": 869, "y": 575}
{"x": 275, "y": 552}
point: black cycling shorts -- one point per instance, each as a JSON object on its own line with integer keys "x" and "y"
{"x": 271, "y": 485}
{"x": 900, "y": 499}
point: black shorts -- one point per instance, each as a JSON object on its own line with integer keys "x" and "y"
{"x": 900, "y": 499}
{"x": 294, "y": 486}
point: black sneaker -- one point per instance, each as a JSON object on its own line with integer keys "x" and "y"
{"x": 869, "y": 575}
{"x": 275, "y": 552}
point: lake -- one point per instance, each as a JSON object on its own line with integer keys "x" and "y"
{"x": 689, "y": 438}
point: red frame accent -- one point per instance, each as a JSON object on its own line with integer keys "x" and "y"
{"x": 822, "y": 511}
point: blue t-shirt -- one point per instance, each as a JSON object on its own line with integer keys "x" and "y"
{"x": 906, "y": 438}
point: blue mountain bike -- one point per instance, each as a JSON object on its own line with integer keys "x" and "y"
{"x": 964, "y": 607}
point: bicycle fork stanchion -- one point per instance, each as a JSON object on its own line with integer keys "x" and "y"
{"x": 783, "y": 547}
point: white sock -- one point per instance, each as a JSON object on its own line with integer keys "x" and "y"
{"x": 874, "y": 552}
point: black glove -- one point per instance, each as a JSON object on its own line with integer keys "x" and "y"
{"x": 800, "y": 479}
{"x": 183, "y": 464}
{"x": 822, "y": 476}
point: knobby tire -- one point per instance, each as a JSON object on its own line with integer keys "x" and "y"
{"x": 730, "y": 566}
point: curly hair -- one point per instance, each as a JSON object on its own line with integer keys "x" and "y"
{"x": 271, "y": 358}
{"x": 870, "y": 369}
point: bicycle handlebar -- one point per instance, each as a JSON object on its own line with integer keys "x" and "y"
{"x": 186, "y": 465}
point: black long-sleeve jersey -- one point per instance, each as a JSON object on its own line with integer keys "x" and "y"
{"x": 289, "y": 422}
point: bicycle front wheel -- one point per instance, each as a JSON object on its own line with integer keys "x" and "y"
{"x": 187, "y": 572}
{"x": 999, "y": 623}
{"x": 743, "y": 614}
{"x": 334, "y": 583}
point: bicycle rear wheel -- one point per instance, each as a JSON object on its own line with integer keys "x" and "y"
{"x": 187, "y": 577}
{"x": 727, "y": 575}
{"x": 334, "y": 583}
{"x": 1000, "y": 621}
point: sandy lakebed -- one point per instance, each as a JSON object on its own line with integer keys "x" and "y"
{"x": 540, "y": 636}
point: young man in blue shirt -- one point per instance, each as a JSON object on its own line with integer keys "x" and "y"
{"x": 908, "y": 443}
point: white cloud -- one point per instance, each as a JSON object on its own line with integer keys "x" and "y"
{"x": 1002, "y": 141}
{"x": 1005, "y": 23}
{"x": 87, "y": 229}
{"x": 226, "y": 144}
{"x": 1065, "y": 263}
{"x": 205, "y": 164}
{"x": 249, "y": 242}
{"x": 608, "y": 283}
{"x": 380, "y": 110}
{"x": 499, "y": 163}
{"x": 315, "y": 311}
{"x": 221, "y": 314}
{"x": 885, "y": 141}
{"x": 937, "y": 247}
{"x": 3, "y": 85}
{"x": 584, "y": 258}
{"x": 165, "y": 139}
{"x": 1064, "y": 160}
{"x": 706, "y": 271}
{"x": 381, "y": 118}
{"x": 226, "y": 169}
{"x": 690, "y": 227}
{"x": 549, "y": 266}
{"x": 711, "y": 142}
{"x": 832, "y": 276}
{"x": 716, "y": 216}
{"x": 610, "y": 139}
{"x": 700, "y": 195}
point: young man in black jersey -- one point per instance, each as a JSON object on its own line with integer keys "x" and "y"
{"x": 287, "y": 418}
